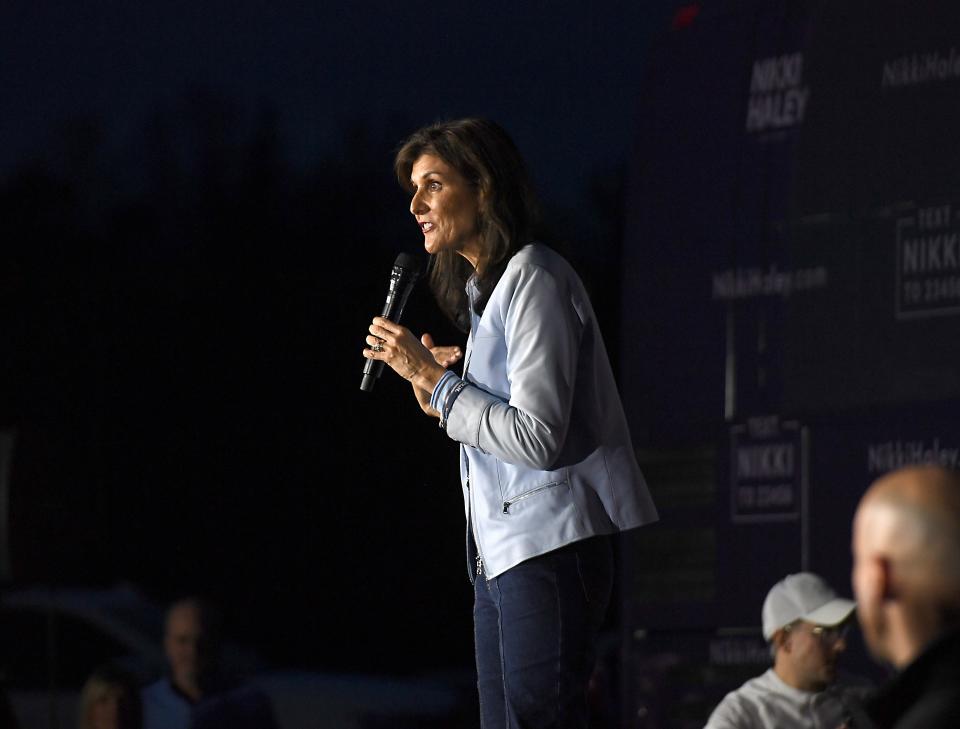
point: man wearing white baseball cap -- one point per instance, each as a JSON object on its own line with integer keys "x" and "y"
{"x": 805, "y": 623}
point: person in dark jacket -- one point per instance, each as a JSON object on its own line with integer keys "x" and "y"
{"x": 906, "y": 579}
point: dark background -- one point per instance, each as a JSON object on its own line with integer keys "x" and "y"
{"x": 197, "y": 220}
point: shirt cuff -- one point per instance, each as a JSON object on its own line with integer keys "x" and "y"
{"x": 444, "y": 385}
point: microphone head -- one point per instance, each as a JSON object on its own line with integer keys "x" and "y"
{"x": 410, "y": 264}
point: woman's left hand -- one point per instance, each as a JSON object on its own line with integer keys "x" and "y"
{"x": 396, "y": 346}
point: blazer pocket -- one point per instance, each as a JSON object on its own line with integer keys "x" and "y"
{"x": 536, "y": 491}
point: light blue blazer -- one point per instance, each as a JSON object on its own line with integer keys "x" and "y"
{"x": 546, "y": 457}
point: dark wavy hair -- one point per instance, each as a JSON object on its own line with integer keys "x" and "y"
{"x": 483, "y": 153}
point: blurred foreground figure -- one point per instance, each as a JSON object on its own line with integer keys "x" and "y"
{"x": 110, "y": 699}
{"x": 906, "y": 578}
{"x": 197, "y": 694}
{"x": 8, "y": 719}
{"x": 805, "y": 623}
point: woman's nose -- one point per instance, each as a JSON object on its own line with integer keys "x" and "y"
{"x": 417, "y": 205}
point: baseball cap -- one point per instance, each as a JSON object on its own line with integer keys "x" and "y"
{"x": 803, "y": 596}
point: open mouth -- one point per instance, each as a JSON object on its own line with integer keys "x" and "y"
{"x": 426, "y": 227}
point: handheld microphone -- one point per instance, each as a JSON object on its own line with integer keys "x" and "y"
{"x": 406, "y": 271}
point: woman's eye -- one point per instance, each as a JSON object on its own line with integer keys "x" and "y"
{"x": 433, "y": 186}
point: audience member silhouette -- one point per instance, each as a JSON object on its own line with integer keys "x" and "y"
{"x": 8, "y": 717}
{"x": 198, "y": 693}
{"x": 110, "y": 699}
{"x": 805, "y": 623}
{"x": 906, "y": 579}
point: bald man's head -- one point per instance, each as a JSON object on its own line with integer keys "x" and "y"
{"x": 913, "y": 516}
{"x": 906, "y": 545}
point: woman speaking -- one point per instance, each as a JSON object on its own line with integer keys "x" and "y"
{"x": 546, "y": 461}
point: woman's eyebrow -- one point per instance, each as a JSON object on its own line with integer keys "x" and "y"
{"x": 427, "y": 174}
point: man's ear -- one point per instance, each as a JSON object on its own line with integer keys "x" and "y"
{"x": 781, "y": 639}
{"x": 882, "y": 574}
{"x": 875, "y": 580}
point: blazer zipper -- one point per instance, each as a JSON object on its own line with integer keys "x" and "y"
{"x": 532, "y": 492}
{"x": 473, "y": 511}
{"x": 473, "y": 524}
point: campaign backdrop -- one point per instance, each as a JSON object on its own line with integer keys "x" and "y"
{"x": 791, "y": 298}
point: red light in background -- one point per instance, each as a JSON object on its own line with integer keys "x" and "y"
{"x": 685, "y": 16}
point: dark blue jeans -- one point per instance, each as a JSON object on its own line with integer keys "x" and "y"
{"x": 535, "y": 628}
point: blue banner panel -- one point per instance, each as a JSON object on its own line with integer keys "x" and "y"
{"x": 885, "y": 327}
{"x": 882, "y": 126}
{"x": 674, "y": 678}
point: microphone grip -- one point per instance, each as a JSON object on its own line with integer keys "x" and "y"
{"x": 392, "y": 310}
{"x": 371, "y": 371}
